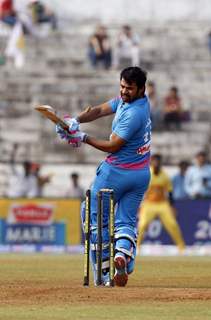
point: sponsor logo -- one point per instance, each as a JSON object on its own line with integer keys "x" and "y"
{"x": 144, "y": 149}
{"x": 32, "y": 213}
{"x": 30, "y": 234}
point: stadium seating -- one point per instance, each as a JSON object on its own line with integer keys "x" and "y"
{"x": 57, "y": 73}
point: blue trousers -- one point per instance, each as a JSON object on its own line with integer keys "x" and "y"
{"x": 129, "y": 187}
{"x": 105, "y": 58}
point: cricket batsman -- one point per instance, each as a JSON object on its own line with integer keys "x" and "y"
{"x": 125, "y": 168}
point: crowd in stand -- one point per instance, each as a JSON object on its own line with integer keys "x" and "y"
{"x": 22, "y": 22}
{"x": 167, "y": 113}
{"x": 192, "y": 181}
{"x": 29, "y": 182}
{"x": 35, "y": 13}
{"x": 26, "y": 182}
{"x": 125, "y": 52}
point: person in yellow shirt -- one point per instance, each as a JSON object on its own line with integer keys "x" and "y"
{"x": 158, "y": 202}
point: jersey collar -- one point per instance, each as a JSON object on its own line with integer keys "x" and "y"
{"x": 136, "y": 102}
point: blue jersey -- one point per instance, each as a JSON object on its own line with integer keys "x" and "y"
{"x": 131, "y": 123}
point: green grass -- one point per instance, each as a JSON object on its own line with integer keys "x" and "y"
{"x": 50, "y": 287}
{"x": 147, "y": 311}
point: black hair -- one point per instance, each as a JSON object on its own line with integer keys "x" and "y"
{"x": 184, "y": 163}
{"x": 74, "y": 175}
{"x": 175, "y": 89}
{"x": 27, "y": 164}
{"x": 201, "y": 154}
{"x": 127, "y": 27}
{"x": 134, "y": 75}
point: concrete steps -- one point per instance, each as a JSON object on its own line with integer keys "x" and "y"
{"x": 57, "y": 73}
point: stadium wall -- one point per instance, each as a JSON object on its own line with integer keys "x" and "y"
{"x": 122, "y": 10}
{"x": 55, "y": 223}
{"x": 194, "y": 218}
{"x": 47, "y": 221}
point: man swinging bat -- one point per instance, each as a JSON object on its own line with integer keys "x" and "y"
{"x": 125, "y": 168}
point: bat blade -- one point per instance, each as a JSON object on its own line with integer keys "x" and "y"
{"x": 49, "y": 113}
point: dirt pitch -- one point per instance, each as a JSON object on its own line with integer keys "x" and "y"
{"x": 50, "y": 287}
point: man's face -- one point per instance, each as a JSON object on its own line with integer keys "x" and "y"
{"x": 129, "y": 92}
{"x": 201, "y": 160}
{"x": 155, "y": 163}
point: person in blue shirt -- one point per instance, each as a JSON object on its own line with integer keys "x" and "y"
{"x": 125, "y": 168}
{"x": 178, "y": 181}
{"x": 198, "y": 178}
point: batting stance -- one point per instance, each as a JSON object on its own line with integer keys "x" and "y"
{"x": 125, "y": 169}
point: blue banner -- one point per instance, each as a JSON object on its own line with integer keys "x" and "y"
{"x": 194, "y": 219}
{"x": 54, "y": 234}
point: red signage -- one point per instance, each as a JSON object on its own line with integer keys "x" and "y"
{"x": 31, "y": 213}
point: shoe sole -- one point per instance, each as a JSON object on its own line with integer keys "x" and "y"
{"x": 121, "y": 277}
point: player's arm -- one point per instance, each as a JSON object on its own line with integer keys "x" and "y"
{"x": 113, "y": 145}
{"x": 75, "y": 136}
{"x": 93, "y": 113}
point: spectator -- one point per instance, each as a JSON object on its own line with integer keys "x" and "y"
{"x": 7, "y": 12}
{"x": 42, "y": 14}
{"x": 23, "y": 184}
{"x": 75, "y": 190}
{"x": 156, "y": 113}
{"x": 198, "y": 178}
{"x": 42, "y": 180}
{"x": 127, "y": 47}
{"x": 11, "y": 17}
{"x": 178, "y": 182}
{"x": 159, "y": 202}
{"x": 172, "y": 109}
{"x": 100, "y": 48}
{"x": 15, "y": 49}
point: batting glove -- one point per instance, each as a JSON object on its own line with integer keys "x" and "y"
{"x": 73, "y": 123}
{"x": 73, "y": 128}
{"x": 63, "y": 134}
{"x": 77, "y": 139}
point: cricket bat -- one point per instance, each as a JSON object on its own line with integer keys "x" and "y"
{"x": 49, "y": 113}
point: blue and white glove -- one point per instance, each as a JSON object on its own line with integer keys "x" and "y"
{"x": 74, "y": 137}
{"x": 73, "y": 123}
{"x": 63, "y": 134}
{"x": 77, "y": 139}
{"x": 73, "y": 127}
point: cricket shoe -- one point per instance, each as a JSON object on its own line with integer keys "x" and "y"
{"x": 121, "y": 276}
